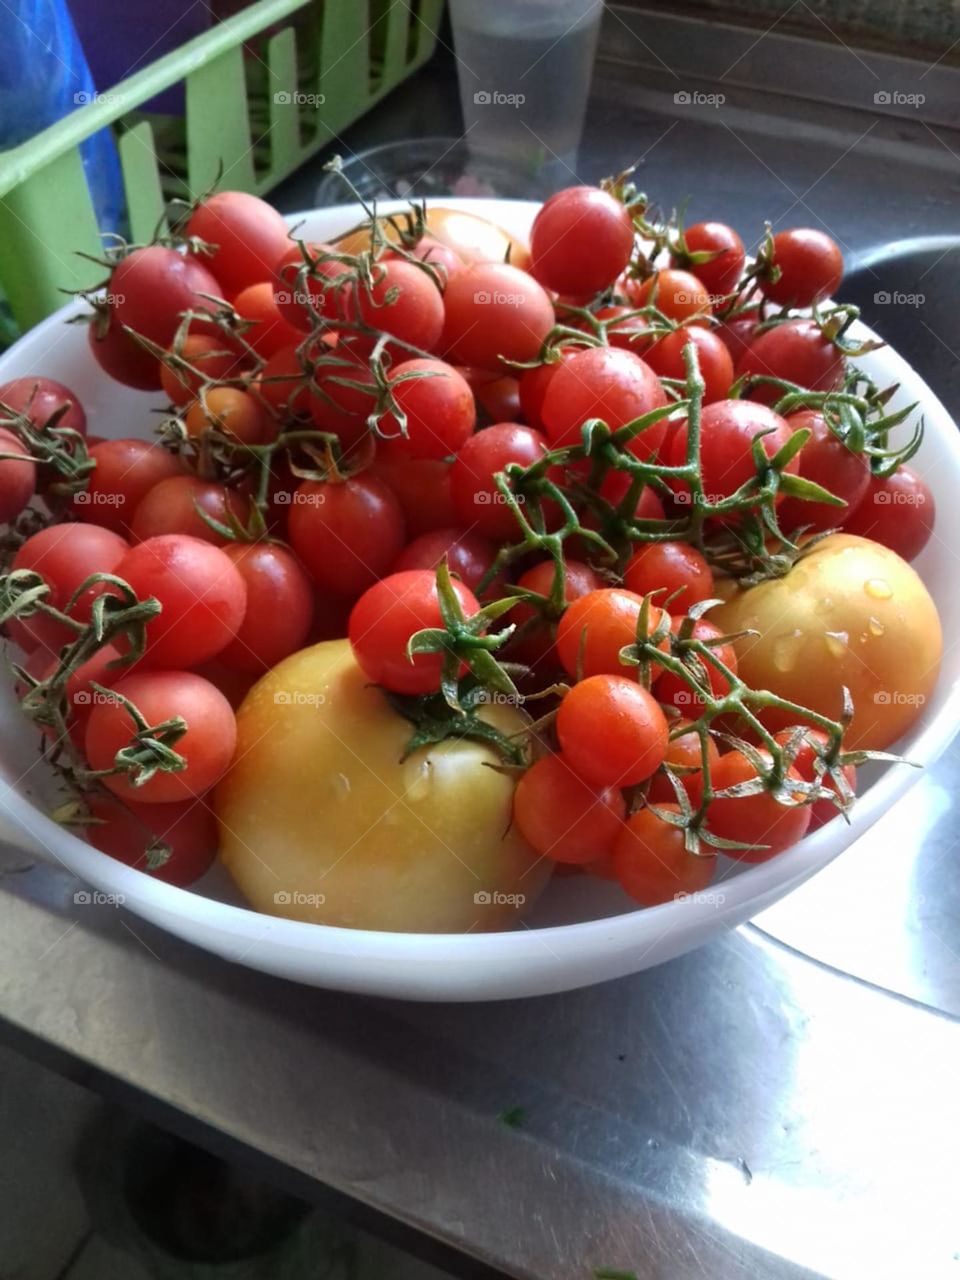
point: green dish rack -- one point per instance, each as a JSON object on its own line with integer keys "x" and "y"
{"x": 262, "y": 91}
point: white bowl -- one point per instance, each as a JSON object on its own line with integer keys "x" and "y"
{"x": 583, "y": 931}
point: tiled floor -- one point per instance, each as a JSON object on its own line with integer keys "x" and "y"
{"x": 45, "y": 1231}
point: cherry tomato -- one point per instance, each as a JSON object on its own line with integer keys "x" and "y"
{"x": 678, "y": 295}
{"x": 18, "y": 479}
{"x": 811, "y": 268}
{"x": 727, "y": 431}
{"x": 683, "y": 752}
{"x": 284, "y": 384}
{"x": 651, "y": 862}
{"x": 494, "y": 310}
{"x": 607, "y": 383}
{"x": 269, "y": 332}
{"x": 580, "y": 241}
{"x": 174, "y": 506}
{"x": 103, "y": 668}
{"x": 597, "y": 626}
{"x": 279, "y": 610}
{"x": 721, "y": 274}
{"x": 403, "y": 301}
{"x": 562, "y": 816}
{"x": 249, "y": 235}
{"x": 64, "y": 555}
{"x": 125, "y": 829}
{"x": 611, "y": 731}
{"x": 827, "y": 461}
{"x": 346, "y": 534}
{"x": 468, "y": 554}
{"x": 536, "y": 643}
{"x": 384, "y": 619}
{"x": 303, "y": 287}
{"x": 203, "y": 595}
{"x": 898, "y": 512}
{"x": 233, "y": 411}
{"x": 665, "y": 358}
{"x": 796, "y": 351}
{"x": 755, "y": 819}
{"x": 814, "y": 745}
{"x": 533, "y": 386}
{"x": 210, "y": 361}
{"x": 625, "y": 328}
{"x": 125, "y": 473}
{"x": 343, "y": 409}
{"x": 673, "y": 690}
{"x": 151, "y": 288}
{"x": 498, "y": 395}
{"x": 439, "y": 407}
{"x": 476, "y": 499}
{"x": 207, "y": 746}
{"x": 422, "y": 487}
{"x": 738, "y": 332}
{"x": 121, "y": 356}
{"x": 670, "y": 566}
{"x": 39, "y": 398}
{"x": 431, "y": 250}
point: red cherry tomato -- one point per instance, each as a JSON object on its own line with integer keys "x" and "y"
{"x": 279, "y": 609}
{"x": 665, "y": 358}
{"x": 669, "y": 567}
{"x": 476, "y": 498}
{"x": 564, "y": 817}
{"x": 796, "y": 351}
{"x": 303, "y": 286}
{"x": 18, "y": 478}
{"x": 674, "y": 691}
{"x": 249, "y": 235}
{"x": 580, "y": 241}
{"x": 722, "y": 273}
{"x": 469, "y": 555}
{"x": 124, "y": 829}
{"x": 494, "y": 310}
{"x": 758, "y": 820}
{"x": 678, "y": 295}
{"x": 121, "y": 357}
{"x": 174, "y": 506}
{"x": 439, "y": 408}
{"x": 151, "y": 288}
{"x": 597, "y": 626}
{"x": 210, "y": 360}
{"x": 422, "y": 487}
{"x": 611, "y": 731}
{"x": 125, "y": 473}
{"x": 535, "y": 645}
{"x": 827, "y": 461}
{"x": 728, "y": 428}
{"x": 898, "y": 512}
{"x": 607, "y": 383}
{"x": 651, "y": 861}
{"x": 347, "y": 534}
{"x": 39, "y": 398}
{"x": 270, "y": 332}
{"x": 812, "y": 745}
{"x": 811, "y": 268}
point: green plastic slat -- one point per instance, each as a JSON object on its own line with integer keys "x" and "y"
{"x": 41, "y": 242}
{"x": 141, "y": 182}
{"x": 344, "y": 62}
{"x": 425, "y": 30}
{"x": 390, "y": 22}
{"x": 284, "y": 130}
{"x": 218, "y": 128}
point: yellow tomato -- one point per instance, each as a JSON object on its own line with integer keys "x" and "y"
{"x": 320, "y": 820}
{"x": 472, "y": 238}
{"x": 850, "y": 613}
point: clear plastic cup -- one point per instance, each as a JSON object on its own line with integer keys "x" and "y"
{"x": 524, "y": 68}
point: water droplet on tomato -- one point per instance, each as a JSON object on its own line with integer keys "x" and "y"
{"x": 878, "y": 588}
{"x": 786, "y": 649}
{"x": 836, "y": 642}
{"x": 876, "y": 627}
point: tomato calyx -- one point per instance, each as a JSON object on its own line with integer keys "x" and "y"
{"x": 435, "y": 720}
{"x": 59, "y": 452}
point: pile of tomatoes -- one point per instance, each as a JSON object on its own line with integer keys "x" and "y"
{"x": 504, "y": 472}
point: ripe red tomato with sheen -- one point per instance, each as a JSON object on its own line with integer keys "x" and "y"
{"x": 279, "y": 610}
{"x": 120, "y": 356}
{"x": 533, "y": 386}
{"x": 207, "y": 746}
{"x": 233, "y": 412}
{"x": 651, "y": 861}
{"x": 669, "y": 567}
{"x": 269, "y": 331}
{"x": 666, "y": 359}
{"x": 202, "y": 593}
{"x": 625, "y": 328}
{"x": 497, "y": 395}
{"x": 347, "y": 534}
{"x": 125, "y": 473}
{"x": 827, "y": 461}
{"x": 469, "y": 555}
{"x": 607, "y": 383}
{"x": 39, "y": 398}
{"x": 439, "y": 407}
{"x": 722, "y": 273}
{"x": 611, "y": 731}
{"x": 564, "y": 817}
{"x": 580, "y": 241}
{"x": 432, "y": 251}
{"x": 64, "y": 555}
{"x": 124, "y": 829}
{"x": 898, "y": 512}
{"x": 312, "y": 284}
{"x": 597, "y": 626}
{"x": 727, "y": 431}
{"x": 757, "y": 820}
{"x": 249, "y": 237}
{"x": 494, "y": 310}
{"x": 796, "y": 351}
{"x": 477, "y": 500}
{"x": 172, "y": 507}
{"x": 738, "y": 332}
{"x": 18, "y": 477}
{"x": 811, "y": 268}
{"x": 383, "y": 621}
{"x": 678, "y": 295}
{"x": 151, "y": 288}
{"x": 403, "y": 301}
